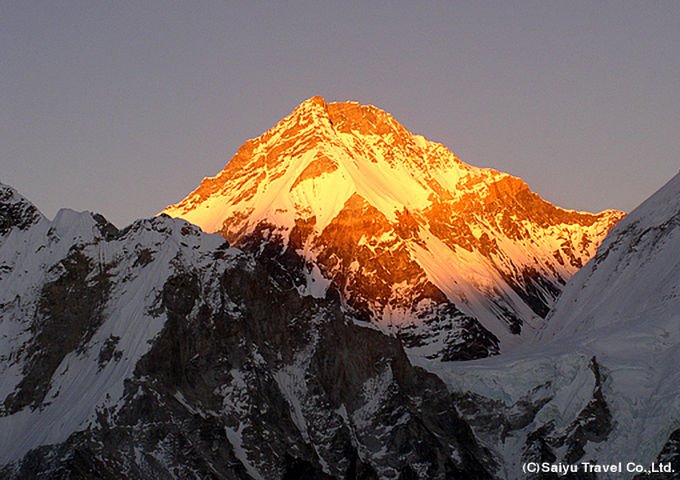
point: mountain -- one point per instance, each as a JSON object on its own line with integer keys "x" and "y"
{"x": 159, "y": 351}
{"x": 600, "y": 384}
{"x": 459, "y": 262}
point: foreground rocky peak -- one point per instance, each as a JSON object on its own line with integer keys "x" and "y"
{"x": 459, "y": 261}
{"x": 15, "y": 211}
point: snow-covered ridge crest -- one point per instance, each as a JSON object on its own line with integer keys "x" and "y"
{"x": 639, "y": 254}
{"x": 15, "y": 211}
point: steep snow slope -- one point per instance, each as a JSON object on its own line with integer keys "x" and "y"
{"x": 460, "y": 262}
{"x": 635, "y": 271}
{"x": 601, "y": 384}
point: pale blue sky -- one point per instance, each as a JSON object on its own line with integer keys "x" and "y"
{"x": 122, "y": 107}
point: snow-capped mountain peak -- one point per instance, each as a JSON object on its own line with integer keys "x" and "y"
{"x": 313, "y": 161}
{"x": 457, "y": 260}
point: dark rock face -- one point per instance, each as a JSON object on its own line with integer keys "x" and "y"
{"x": 69, "y": 312}
{"x": 307, "y": 393}
{"x": 520, "y": 432}
{"x": 592, "y": 424}
{"x": 15, "y": 211}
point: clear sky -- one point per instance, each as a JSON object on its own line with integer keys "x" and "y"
{"x": 122, "y": 107}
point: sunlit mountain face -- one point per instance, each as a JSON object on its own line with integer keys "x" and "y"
{"x": 338, "y": 198}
